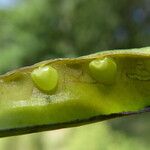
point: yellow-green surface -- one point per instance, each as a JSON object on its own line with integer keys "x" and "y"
{"x": 97, "y": 136}
{"x": 103, "y": 70}
{"x": 45, "y": 78}
{"x": 78, "y": 95}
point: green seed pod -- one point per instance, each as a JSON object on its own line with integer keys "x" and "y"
{"x": 103, "y": 70}
{"x": 120, "y": 87}
{"x": 45, "y": 78}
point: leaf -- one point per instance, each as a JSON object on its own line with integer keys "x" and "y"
{"x": 117, "y": 85}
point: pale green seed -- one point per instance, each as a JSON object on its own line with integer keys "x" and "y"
{"x": 45, "y": 78}
{"x": 103, "y": 70}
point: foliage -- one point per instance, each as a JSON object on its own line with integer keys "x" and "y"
{"x": 35, "y": 30}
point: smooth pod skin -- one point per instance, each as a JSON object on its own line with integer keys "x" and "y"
{"x": 74, "y": 91}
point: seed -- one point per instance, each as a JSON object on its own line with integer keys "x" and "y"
{"x": 45, "y": 78}
{"x": 103, "y": 70}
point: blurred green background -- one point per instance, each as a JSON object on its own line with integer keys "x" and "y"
{"x": 35, "y": 30}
